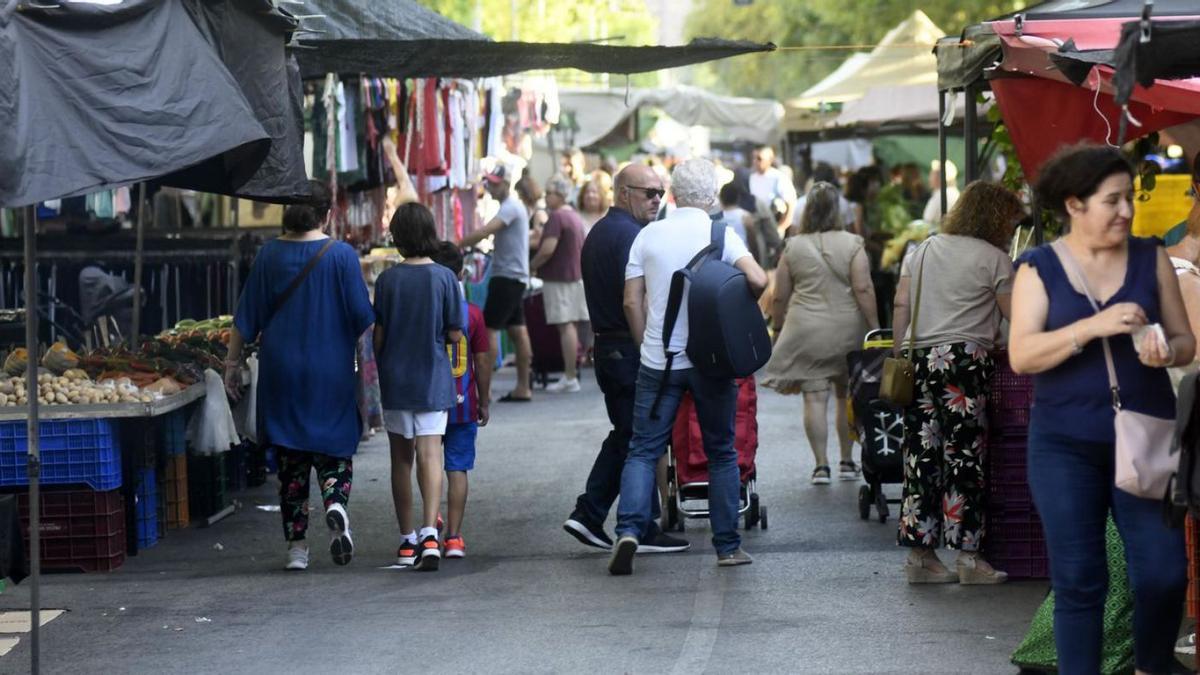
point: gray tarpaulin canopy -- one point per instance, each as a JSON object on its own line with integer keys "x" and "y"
{"x": 195, "y": 92}
{"x": 399, "y": 38}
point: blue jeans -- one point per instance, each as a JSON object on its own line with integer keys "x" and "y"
{"x": 716, "y": 405}
{"x": 617, "y": 363}
{"x": 1072, "y": 485}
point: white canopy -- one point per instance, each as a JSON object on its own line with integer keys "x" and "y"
{"x": 598, "y": 113}
{"x": 903, "y": 57}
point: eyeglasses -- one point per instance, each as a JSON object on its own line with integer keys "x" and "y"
{"x": 651, "y": 193}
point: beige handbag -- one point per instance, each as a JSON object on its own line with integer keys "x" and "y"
{"x": 1144, "y": 461}
{"x": 899, "y": 378}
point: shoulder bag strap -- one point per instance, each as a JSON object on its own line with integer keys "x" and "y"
{"x": 1075, "y": 273}
{"x": 674, "y": 303}
{"x": 291, "y": 289}
{"x": 916, "y": 311}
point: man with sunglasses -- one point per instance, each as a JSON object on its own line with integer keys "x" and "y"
{"x": 637, "y": 194}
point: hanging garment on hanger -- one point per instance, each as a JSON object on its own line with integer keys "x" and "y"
{"x": 495, "y": 138}
{"x": 457, "y": 127}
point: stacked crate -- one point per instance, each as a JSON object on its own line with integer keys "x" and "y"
{"x": 83, "y": 525}
{"x": 1014, "y": 541}
{"x": 174, "y": 476}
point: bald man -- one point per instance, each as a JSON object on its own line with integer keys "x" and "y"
{"x": 638, "y": 192}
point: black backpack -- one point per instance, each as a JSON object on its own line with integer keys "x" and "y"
{"x": 727, "y": 335}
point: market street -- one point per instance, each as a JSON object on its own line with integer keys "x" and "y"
{"x": 825, "y": 593}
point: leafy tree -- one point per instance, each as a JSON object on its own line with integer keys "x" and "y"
{"x": 553, "y": 20}
{"x": 810, "y": 23}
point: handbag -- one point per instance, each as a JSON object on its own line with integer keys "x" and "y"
{"x": 1145, "y": 461}
{"x": 899, "y": 378}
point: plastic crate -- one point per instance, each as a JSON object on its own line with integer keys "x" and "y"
{"x": 1192, "y": 531}
{"x": 1018, "y": 548}
{"x": 207, "y": 493}
{"x": 74, "y": 452}
{"x": 147, "y": 508}
{"x": 80, "y": 530}
{"x": 236, "y": 468}
{"x": 173, "y": 433}
{"x": 175, "y": 492}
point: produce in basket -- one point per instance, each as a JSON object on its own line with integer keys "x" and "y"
{"x": 62, "y": 390}
{"x": 17, "y": 362}
{"x": 60, "y": 359}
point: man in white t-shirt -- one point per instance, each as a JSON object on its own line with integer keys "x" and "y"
{"x": 768, "y": 184}
{"x": 660, "y": 249}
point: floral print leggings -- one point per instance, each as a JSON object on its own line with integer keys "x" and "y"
{"x": 944, "y": 427}
{"x": 295, "y": 468}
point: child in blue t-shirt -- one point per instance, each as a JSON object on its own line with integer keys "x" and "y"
{"x": 418, "y": 309}
{"x": 472, "y": 369}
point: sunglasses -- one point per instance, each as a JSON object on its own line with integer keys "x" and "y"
{"x": 651, "y": 193}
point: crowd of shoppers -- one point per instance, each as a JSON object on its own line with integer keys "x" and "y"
{"x": 606, "y": 250}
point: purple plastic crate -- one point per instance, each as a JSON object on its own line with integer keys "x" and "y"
{"x": 1017, "y": 547}
{"x": 83, "y": 452}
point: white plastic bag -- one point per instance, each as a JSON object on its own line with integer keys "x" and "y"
{"x": 246, "y": 415}
{"x": 211, "y": 430}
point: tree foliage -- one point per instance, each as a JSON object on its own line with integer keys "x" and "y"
{"x": 553, "y": 20}
{"x": 812, "y": 23}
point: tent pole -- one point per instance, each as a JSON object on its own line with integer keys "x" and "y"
{"x": 138, "y": 256}
{"x": 971, "y": 133}
{"x": 31, "y": 427}
{"x": 942, "y": 149}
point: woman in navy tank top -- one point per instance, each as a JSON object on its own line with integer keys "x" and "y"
{"x": 1057, "y": 337}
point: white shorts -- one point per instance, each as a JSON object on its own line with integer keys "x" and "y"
{"x": 565, "y": 302}
{"x": 411, "y": 424}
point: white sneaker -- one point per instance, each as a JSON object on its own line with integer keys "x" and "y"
{"x": 297, "y": 557}
{"x": 1186, "y": 645}
{"x": 341, "y": 546}
{"x": 564, "y": 386}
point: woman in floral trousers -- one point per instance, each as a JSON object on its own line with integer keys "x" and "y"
{"x": 958, "y": 285}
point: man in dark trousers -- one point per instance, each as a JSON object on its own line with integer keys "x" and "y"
{"x": 638, "y": 191}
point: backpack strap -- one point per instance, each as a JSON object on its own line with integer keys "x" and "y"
{"x": 715, "y": 250}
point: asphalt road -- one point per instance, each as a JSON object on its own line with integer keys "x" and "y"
{"x": 825, "y": 593}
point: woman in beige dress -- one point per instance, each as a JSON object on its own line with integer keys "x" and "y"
{"x": 824, "y": 305}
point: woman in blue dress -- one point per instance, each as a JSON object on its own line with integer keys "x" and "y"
{"x": 306, "y": 405}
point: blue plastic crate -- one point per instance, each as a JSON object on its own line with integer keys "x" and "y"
{"x": 147, "y": 508}
{"x": 174, "y": 433}
{"x": 73, "y": 452}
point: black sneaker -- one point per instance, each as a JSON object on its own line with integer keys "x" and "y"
{"x": 621, "y": 563}
{"x": 429, "y": 554}
{"x": 662, "y": 542}
{"x": 587, "y": 534}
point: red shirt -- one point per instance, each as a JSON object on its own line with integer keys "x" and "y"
{"x": 566, "y": 226}
{"x": 462, "y": 365}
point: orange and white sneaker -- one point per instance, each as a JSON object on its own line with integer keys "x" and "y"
{"x": 406, "y": 555}
{"x": 429, "y": 554}
{"x": 455, "y": 547}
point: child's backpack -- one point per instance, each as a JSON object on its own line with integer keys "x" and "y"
{"x": 727, "y": 335}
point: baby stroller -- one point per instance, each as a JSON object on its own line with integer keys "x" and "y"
{"x": 687, "y": 465}
{"x": 879, "y": 424}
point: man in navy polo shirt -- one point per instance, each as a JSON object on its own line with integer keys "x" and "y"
{"x": 638, "y": 192}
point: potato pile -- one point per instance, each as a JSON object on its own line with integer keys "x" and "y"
{"x": 71, "y": 388}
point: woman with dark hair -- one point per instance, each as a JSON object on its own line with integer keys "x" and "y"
{"x": 957, "y": 285}
{"x": 419, "y": 308}
{"x": 306, "y": 304}
{"x": 1067, "y": 344}
{"x": 824, "y": 304}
